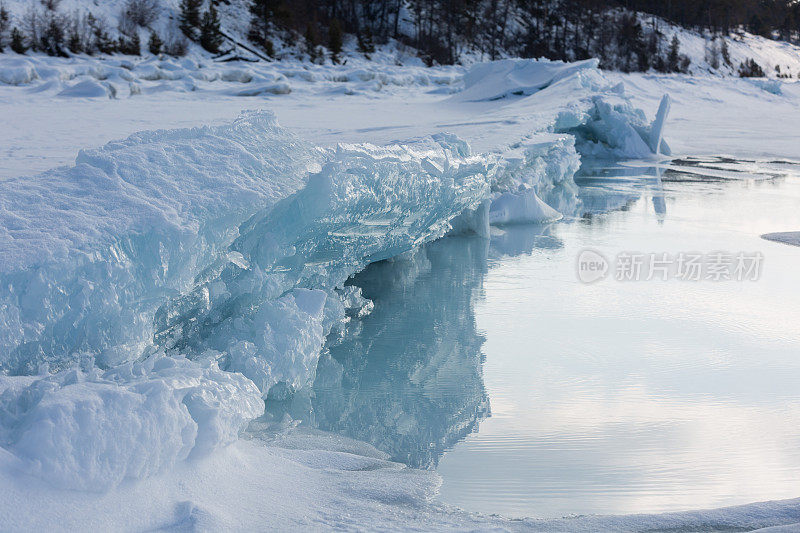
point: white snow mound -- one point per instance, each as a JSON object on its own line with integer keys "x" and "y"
{"x": 518, "y": 77}
{"x": 92, "y": 430}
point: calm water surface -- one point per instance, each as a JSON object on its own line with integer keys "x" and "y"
{"x": 534, "y": 394}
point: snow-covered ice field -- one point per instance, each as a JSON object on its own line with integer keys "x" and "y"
{"x": 380, "y": 103}
{"x": 157, "y": 286}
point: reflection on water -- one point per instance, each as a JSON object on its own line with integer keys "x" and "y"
{"x": 523, "y": 239}
{"x": 407, "y": 378}
{"x": 640, "y": 397}
{"x": 605, "y": 398}
{"x": 604, "y": 187}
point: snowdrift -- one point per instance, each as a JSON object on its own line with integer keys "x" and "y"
{"x": 516, "y": 77}
{"x": 92, "y": 430}
{"x": 123, "y": 77}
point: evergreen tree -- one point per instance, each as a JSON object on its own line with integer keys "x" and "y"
{"x": 142, "y": 13}
{"x": 631, "y": 43}
{"x": 210, "y": 36}
{"x": 269, "y": 48}
{"x": 713, "y": 54}
{"x": 5, "y": 20}
{"x": 130, "y": 45}
{"x": 312, "y": 42}
{"x": 726, "y": 54}
{"x": 190, "y": 17}
{"x": 136, "y": 44}
{"x": 674, "y": 56}
{"x": 101, "y": 40}
{"x": 750, "y": 69}
{"x": 335, "y": 40}
{"x": 365, "y": 45}
{"x": 268, "y": 12}
{"x": 154, "y": 44}
{"x": 53, "y": 37}
{"x": 75, "y": 40}
{"x": 176, "y": 46}
{"x": 17, "y": 41}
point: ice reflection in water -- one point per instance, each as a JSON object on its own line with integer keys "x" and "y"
{"x": 408, "y": 378}
{"x": 604, "y": 187}
{"x": 605, "y": 398}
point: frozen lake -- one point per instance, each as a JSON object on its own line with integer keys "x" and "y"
{"x": 533, "y": 393}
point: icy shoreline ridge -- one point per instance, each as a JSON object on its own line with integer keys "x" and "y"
{"x": 155, "y": 292}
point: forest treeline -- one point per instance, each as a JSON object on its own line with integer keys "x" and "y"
{"x": 618, "y": 32}
{"x": 442, "y": 30}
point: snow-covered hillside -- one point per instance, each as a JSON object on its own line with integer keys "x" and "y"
{"x": 708, "y": 53}
{"x": 777, "y": 58}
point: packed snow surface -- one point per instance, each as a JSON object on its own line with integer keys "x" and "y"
{"x": 317, "y": 483}
{"x": 157, "y": 289}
